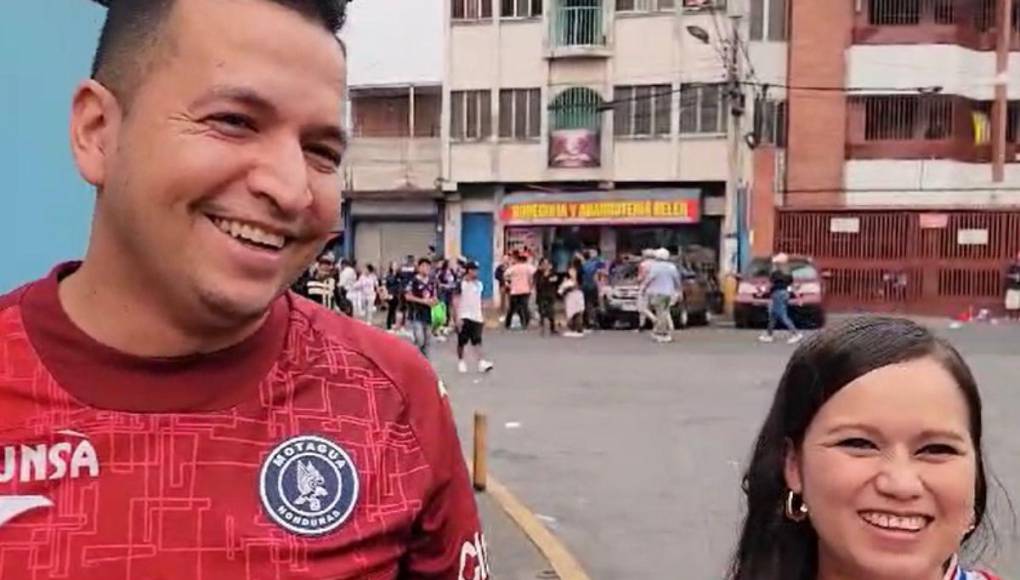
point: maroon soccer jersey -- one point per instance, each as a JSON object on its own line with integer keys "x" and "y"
{"x": 316, "y": 448}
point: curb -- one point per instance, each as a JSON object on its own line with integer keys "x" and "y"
{"x": 562, "y": 561}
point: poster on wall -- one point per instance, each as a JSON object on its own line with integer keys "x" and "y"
{"x": 524, "y": 239}
{"x": 574, "y": 148}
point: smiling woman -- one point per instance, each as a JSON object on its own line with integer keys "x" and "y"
{"x": 869, "y": 464}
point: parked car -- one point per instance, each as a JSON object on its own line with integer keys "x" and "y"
{"x": 618, "y": 302}
{"x": 751, "y": 306}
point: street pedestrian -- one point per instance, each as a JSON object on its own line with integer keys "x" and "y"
{"x": 420, "y": 296}
{"x": 469, "y": 319}
{"x": 1013, "y": 289}
{"x": 393, "y": 291}
{"x": 520, "y": 280}
{"x": 366, "y": 292}
{"x": 546, "y": 288}
{"x": 321, "y": 287}
{"x": 407, "y": 273}
{"x": 446, "y": 285}
{"x": 780, "y": 283}
{"x": 869, "y": 463}
{"x": 501, "y": 286}
{"x": 573, "y": 300}
{"x": 591, "y": 270}
{"x": 662, "y": 286}
{"x": 202, "y": 421}
{"x": 645, "y": 315}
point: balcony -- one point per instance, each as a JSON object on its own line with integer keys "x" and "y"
{"x": 578, "y": 29}
{"x": 969, "y": 23}
{"x": 927, "y": 127}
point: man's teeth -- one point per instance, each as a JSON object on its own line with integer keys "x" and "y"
{"x": 893, "y": 522}
{"x": 250, "y": 233}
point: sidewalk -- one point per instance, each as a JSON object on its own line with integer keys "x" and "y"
{"x": 512, "y": 556}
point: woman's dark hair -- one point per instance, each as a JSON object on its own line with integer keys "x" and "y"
{"x": 370, "y": 268}
{"x": 773, "y": 547}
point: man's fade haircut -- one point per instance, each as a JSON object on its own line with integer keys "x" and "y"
{"x": 131, "y": 37}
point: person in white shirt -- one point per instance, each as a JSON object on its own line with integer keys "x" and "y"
{"x": 363, "y": 294}
{"x": 467, "y": 308}
{"x": 663, "y": 287}
{"x": 348, "y": 275}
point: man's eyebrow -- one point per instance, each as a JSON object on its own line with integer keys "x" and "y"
{"x": 238, "y": 94}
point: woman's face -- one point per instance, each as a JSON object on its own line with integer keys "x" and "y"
{"x": 887, "y": 470}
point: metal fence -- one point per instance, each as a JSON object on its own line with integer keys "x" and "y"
{"x": 908, "y": 261}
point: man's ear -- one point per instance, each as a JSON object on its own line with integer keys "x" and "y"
{"x": 95, "y": 121}
{"x": 791, "y": 468}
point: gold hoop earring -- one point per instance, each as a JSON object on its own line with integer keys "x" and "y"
{"x": 797, "y": 515}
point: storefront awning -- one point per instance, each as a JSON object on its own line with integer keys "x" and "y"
{"x": 613, "y": 207}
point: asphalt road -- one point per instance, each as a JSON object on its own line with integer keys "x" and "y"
{"x": 632, "y": 452}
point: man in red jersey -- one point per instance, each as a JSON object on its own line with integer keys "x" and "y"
{"x": 168, "y": 409}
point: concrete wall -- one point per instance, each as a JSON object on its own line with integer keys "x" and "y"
{"x": 929, "y": 183}
{"x": 44, "y": 53}
{"x": 380, "y": 164}
{"x": 958, "y": 70}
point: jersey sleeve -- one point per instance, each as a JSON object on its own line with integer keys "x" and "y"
{"x": 447, "y": 540}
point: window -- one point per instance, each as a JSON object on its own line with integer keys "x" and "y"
{"x": 521, "y": 8}
{"x": 770, "y": 122}
{"x": 703, "y": 4}
{"x": 470, "y": 115}
{"x": 644, "y": 5}
{"x": 471, "y": 9}
{"x": 520, "y": 114}
{"x": 907, "y": 117}
{"x": 703, "y": 109}
{"x": 642, "y": 110}
{"x": 768, "y": 20}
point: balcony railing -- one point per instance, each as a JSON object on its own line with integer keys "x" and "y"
{"x": 926, "y": 127}
{"x": 970, "y": 23}
{"x": 578, "y": 23}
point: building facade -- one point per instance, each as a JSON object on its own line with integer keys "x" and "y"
{"x": 573, "y": 124}
{"x": 898, "y": 110}
{"x": 393, "y": 202}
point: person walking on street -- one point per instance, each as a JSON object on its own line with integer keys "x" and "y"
{"x": 446, "y": 285}
{"x": 407, "y": 273}
{"x": 573, "y": 299}
{"x": 520, "y": 278}
{"x": 468, "y": 318}
{"x": 590, "y": 273}
{"x": 366, "y": 290}
{"x": 662, "y": 286}
{"x": 780, "y": 281}
{"x": 645, "y": 315}
{"x": 546, "y": 287}
{"x": 501, "y": 286}
{"x": 1013, "y": 289}
{"x": 420, "y": 296}
{"x": 392, "y": 290}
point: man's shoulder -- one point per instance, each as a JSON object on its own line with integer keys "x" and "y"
{"x": 13, "y": 298}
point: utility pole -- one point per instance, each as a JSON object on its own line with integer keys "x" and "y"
{"x": 734, "y": 181}
{"x": 999, "y": 108}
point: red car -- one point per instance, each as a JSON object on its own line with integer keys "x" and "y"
{"x": 751, "y": 306}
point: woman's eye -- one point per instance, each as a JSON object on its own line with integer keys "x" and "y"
{"x": 857, "y": 443}
{"x": 939, "y": 449}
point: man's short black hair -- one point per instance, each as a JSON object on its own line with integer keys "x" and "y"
{"x": 132, "y": 33}
{"x": 424, "y": 261}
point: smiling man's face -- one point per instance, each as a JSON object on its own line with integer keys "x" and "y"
{"x": 223, "y": 179}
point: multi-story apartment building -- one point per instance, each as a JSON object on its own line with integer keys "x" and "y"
{"x": 584, "y": 123}
{"x": 898, "y": 110}
{"x": 393, "y": 202}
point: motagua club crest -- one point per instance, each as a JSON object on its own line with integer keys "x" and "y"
{"x": 309, "y": 485}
